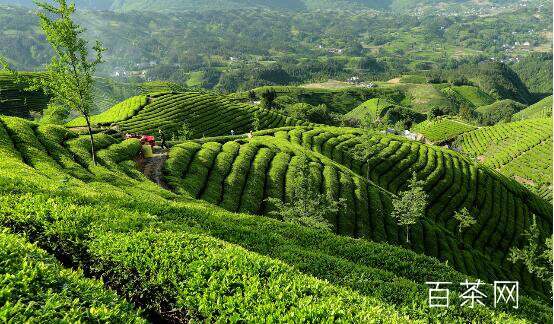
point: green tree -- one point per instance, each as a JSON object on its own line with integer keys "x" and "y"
{"x": 68, "y": 79}
{"x": 535, "y": 255}
{"x": 409, "y": 206}
{"x": 268, "y": 98}
{"x": 184, "y": 133}
{"x": 252, "y": 95}
{"x": 465, "y": 220}
{"x": 307, "y": 207}
{"x": 54, "y": 114}
{"x": 256, "y": 121}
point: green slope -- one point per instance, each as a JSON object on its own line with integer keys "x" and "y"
{"x": 535, "y": 70}
{"x": 500, "y": 111}
{"x": 205, "y": 115}
{"x": 383, "y": 110}
{"x": 338, "y": 100}
{"x": 522, "y": 150}
{"x": 181, "y": 259}
{"x": 541, "y": 109}
{"x": 15, "y": 101}
{"x": 442, "y": 129}
{"x": 241, "y": 175}
{"x": 373, "y": 109}
{"x": 469, "y": 96}
{"x": 499, "y": 81}
{"x": 36, "y": 286}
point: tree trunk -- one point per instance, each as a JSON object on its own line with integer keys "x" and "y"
{"x": 92, "y": 149}
{"x": 407, "y": 234}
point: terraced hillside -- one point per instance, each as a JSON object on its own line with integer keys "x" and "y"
{"x": 383, "y": 110}
{"x": 520, "y": 150}
{"x": 14, "y": 101}
{"x": 190, "y": 261}
{"x": 468, "y": 96}
{"x": 205, "y": 115}
{"x": 442, "y": 129}
{"x": 240, "y": 175}
{"x": 541, "y": 109}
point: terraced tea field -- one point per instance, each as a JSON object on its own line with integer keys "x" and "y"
{"x": 240, "y": 175}
{"x": 468, "y": 96}
{"x": 520, "y": 149}
{"x": 189, "y": 260}
{"x": 541, "y": 109}
{"x": 442, "y": 129}
{"x": 205, "y": 115}
{"x": 14, "y": 101}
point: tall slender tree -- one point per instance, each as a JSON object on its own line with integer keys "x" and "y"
{"x": 68, "y": 78}
{"x": 409, "y": 206}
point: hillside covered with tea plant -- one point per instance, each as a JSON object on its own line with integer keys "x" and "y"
{"x": 190, "y": 259}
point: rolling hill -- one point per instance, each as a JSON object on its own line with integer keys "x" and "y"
{"x": 174, "y": 5}
{"x": 240, "y": 175}
{"x": 535, "y": 70}
{"x": 384, "y": 110}
{"x": 500, "y": 111}
{"x": 499, "y": 81}
{"x": 204, "y": 114}
{"x": 442, "y": 130}
{"x": 521, "y": 150}
{"x": 541, "y": 109}
{"x": 180, "y": 259}
{"x": 468, "y": 96}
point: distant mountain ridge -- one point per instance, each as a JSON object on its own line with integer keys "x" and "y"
{"x": 171, "y": 5}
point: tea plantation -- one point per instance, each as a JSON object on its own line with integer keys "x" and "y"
{"x": 15, "y": 101}
{"x": 204, "y": 114}
{"x": 541, "y": 109}
{"x": 173, "y": 258}
{"x": 206, "y": 252}
{"x": 519, "y": 149}
{"x": 442, "y": 129}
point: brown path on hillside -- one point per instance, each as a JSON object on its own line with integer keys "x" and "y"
{"x": 153, "y": 167}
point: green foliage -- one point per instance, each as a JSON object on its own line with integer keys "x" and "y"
{"x": 180, "y": 259}
{"x": 319, "y": 114}
{"x": 413, "y": 79}
{"x": 536, "y": 255}
{"x": 521, "y": 150}
{"x": 452, "y": 183}
{"x": 306, "y": 207}
{"x": 36, "y": 286}
{"x": 68, "y": 78}
{"x": 54, "y": 114}
{"x": 120, "y": 112}
{"x": 535, "y": 70}
{"x": 17, "y": 100}
{"x": 256, "y": 121}
{"x": 268, "y": 98}
{"x": 465, "y": 220}
{"x": 409, "y": 207}
{"x": 378, "y": 111}
{"x": 541, "y": 109}
{"x": 500, "y": 111}
{"x": 468, "y": 96}
{"x": 205, "y": 114}
{"x": 441, "y": 130}
{"x": 499, "y": 81}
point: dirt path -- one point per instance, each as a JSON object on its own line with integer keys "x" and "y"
{"x": 152, "y": 167}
